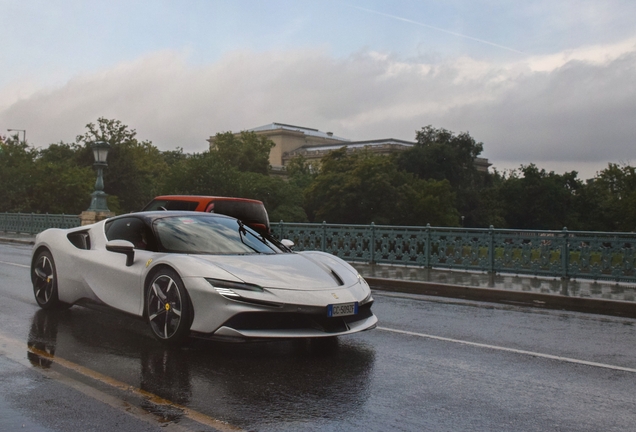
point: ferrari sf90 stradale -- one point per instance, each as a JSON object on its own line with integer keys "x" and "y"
{"x": 199, "y": 274}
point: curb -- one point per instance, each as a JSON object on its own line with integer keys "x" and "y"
{"x": 18, "y": 241}
{"x": 545, "y": 301}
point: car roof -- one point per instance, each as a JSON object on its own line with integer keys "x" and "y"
{"x": 197, "y": 198}
{"x": 151, "y": 216}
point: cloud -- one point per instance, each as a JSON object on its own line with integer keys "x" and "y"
{"x": 575, "y": 109}
{"x": 579, "y": 112}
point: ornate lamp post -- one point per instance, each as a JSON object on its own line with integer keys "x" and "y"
{"x": 100, "y": 152}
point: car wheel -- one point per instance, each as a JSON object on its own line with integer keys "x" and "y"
{"x": 168, "y": 307}
{"x": 44, "y": 278}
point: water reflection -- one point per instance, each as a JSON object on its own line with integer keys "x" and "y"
{"x": 291, "y": 382}
{"x": 242, "y": 383}
{"x": 43, "y": 338}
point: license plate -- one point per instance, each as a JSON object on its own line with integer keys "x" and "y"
{"x": 343, "y": 309}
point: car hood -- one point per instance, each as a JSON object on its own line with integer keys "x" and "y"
{"x": 286, "y": 271}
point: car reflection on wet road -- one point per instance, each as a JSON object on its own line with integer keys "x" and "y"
{"x": 433, "y": 364}
{"x": 238, "y": 382}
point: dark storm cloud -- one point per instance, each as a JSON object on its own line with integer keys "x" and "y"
{"x": 578, "y": 112}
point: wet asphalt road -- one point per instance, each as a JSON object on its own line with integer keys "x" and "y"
{"x": 434, "y": 364}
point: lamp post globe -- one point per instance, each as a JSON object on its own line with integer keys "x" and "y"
{"x": 100, "y": 151}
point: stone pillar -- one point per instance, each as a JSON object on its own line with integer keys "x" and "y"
{"x": 90, "y": 217}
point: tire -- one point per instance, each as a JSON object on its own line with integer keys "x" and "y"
{"x": 168, "y": 307}
{"x": 44, "y": 279}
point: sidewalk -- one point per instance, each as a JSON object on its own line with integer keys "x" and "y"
{"x": 7, "y": 237}
{"x": 602, "y": 297}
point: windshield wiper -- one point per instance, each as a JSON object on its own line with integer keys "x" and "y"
{"x": 242, "y": 231}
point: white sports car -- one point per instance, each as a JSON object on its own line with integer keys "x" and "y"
{"x": 200, "y": 274}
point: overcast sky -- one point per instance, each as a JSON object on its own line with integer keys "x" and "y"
{"x": 550, "y": 82}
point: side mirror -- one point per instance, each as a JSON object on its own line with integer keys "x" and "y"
{"x": 123, "y": 247}
{"x": 287, "y": 243}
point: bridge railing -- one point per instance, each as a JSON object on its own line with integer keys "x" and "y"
{"x": 565, "y": 254}
{"x": 33, "y": 223}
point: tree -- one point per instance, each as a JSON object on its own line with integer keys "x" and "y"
{"x": 441, "y": 155}
{"x": 362, "y": 187}
{"x": 247, "y": 152}
{"x": 114, "y": 132}
{"x": 201, "y": 174}
{"x": 300, "y": 172}
{"x": 608, "y": 201}
{"x": 60, "y": 183}
{"x": 171, "y": 157}
{"x": 536, "y": 199}
{"x": 43, "y": 181}
{"x": 208, "y": 174}
{"x": 16, "y": 172}
{"x": 135, "y": 169}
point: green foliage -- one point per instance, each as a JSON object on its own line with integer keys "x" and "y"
{"x": 134, "y": 174}
{"x": 135, "y": 169}
{"x": 209, "y": 174}
{"x": 362, "y": 187}
{"x": 282, "y": 200}
{"x": 247, "y": 152}
{"x": 43, "y": 181}
{"x": 60, "y": 185}
{"x": 114, "y": 132}
{"x": 435, "y": 182}
{"x": 288, "y": 213}
{"x": 482, "y": 205}
{"x": 16, "y": 172}
{"x": 441, "y": 155}
{"x": 609, "y": 200}
{"x": 535, "y": 199}
{"x": 171, "y": 157}
{"x": 201, "y": 174}
{"x": 300, "y": 172}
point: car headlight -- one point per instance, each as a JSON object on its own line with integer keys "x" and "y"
{"x": 228, "y": 288}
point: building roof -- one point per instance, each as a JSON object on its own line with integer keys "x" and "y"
{"x": 361, "y": 144}
{"x": 305, "y": 130}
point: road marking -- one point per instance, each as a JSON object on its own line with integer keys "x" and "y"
{"x": 16, "y": 353}
{"x": 14, "y": 264}
{"x": 512, "y": 350}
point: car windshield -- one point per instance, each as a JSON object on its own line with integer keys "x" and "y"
{"x": 207, "y": 234}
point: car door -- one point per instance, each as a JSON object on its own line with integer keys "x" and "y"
{"x": 107, "y": 274}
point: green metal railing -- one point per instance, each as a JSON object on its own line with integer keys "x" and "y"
{"x": 565, "y": 254}
{"x": 33, "y": 223}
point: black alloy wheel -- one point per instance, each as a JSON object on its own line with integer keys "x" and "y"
{"x": 44, "y": 279}
{"x": 168, "y": 307}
